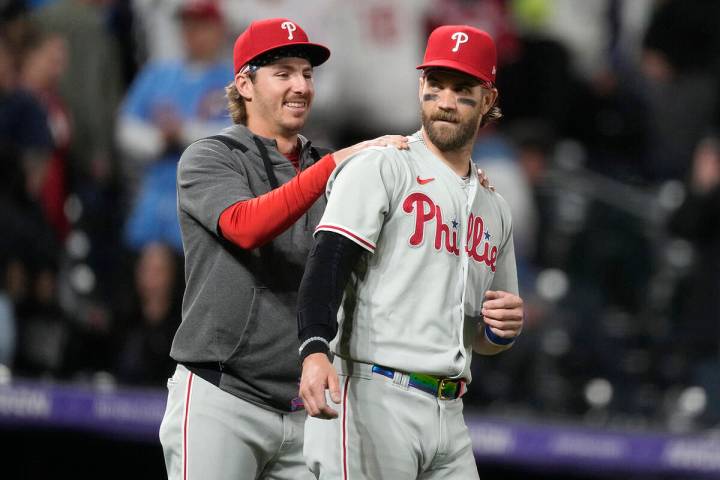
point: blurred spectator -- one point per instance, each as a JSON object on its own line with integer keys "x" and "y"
{"x": 158, "y": 30}
{"x": 44, "y": 63}
{"x": 590, "y": 30}
{"x": 144, "y": 354}
{"x": 91, "y": 341}
{"x": 499, "y": 159}
{"x": 170, "y": 105}
{"x": 680, "y": 60}
{"x": 698, "y": 221}
{"x": 14, "y": 24}
{"x": 24, "y": 133}
{"x": 122, "y": 25}
{"x": 534, "y": 144}
{"x": 696, "y": 337}
{"x": 43, "y": 329}
{"x": 381, "y": 44}
{"x": 25, "y": 146}
{"x": 577, "y": 56}
{"x": 539, "y": 82}
{"x": 91, "y": 86}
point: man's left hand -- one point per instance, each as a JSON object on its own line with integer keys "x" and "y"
{"x": 503, "y": 313}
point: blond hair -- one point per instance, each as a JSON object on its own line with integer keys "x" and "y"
{"x": 236, "y": 104}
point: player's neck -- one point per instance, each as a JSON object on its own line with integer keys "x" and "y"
{"x": 286, "y": 145}
{"x": 286, "y": 141}
{"x": 458, "y": 160}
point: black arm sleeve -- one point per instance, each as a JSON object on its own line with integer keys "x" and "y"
{"x": 328, "y": 270}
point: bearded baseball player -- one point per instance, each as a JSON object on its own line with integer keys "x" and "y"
{"x": 412, "y": 270}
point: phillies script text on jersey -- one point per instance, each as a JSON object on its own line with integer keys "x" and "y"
{"x": 426, "y": 210}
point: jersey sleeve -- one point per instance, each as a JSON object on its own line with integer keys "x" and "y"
{"x": 359, "y": 193}
{"x": 209, "y": 181}
{"x": 505, "y": 277}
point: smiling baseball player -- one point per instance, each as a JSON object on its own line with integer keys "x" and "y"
{"x": 422, "y": 257}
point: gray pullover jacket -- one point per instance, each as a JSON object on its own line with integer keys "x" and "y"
{"x": 239, "y": 307}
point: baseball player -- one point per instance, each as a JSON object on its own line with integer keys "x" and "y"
{"x": 248, "y": 201}
{"x": 423, "y": 260}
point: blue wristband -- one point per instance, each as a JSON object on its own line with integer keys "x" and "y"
{"x": 496, "y": 339}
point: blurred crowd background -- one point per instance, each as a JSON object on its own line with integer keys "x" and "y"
{"x": 608, "y": 155}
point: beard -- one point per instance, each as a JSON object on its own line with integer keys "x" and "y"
{"x": 451, "y": 137}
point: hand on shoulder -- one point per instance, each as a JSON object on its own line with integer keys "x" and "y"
{"x": 398, "y": 141}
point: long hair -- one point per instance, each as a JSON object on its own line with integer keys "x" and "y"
{"x": 236, "y": 104}
{"x": 492, "y": 116}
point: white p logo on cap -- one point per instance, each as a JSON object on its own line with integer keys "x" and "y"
{"x": 290, "y": 27}
{"x": 460, "y": 38}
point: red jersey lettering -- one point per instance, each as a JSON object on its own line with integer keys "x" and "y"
{"x": 477, "y": 243}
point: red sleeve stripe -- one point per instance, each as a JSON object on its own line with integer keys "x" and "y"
{"x": 344, "y": 428}
{"x": 185, "y": 426}
{"x": 348, "y": 234}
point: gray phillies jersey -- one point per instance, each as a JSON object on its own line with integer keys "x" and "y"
{"x": 438, "y": 242}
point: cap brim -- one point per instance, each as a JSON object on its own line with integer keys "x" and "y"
{"x": 460, "y": 67}
{"x": 318, "y": 53}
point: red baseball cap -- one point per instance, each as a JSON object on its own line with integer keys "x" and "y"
{"x": 200, "y": 9}
{"x": 463, "y": 48}
{"x": 263, "y": 36}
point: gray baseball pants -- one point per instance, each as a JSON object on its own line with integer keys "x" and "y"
{"x": 387, "y": 429}
{"x": 209, "y": 434}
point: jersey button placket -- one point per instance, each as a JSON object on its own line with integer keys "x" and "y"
{"x": 471, "y": 191}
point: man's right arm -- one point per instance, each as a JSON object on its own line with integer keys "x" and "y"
{"x": 256, "y": 221}
{"x": 359, "y": 200}
{"x": 328, "y": 270}
{"x": 251, "y": 223}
